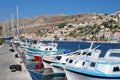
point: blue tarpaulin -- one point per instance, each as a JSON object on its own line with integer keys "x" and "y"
{"x": 7, "y": 38}
{"x": 66, "y": 51}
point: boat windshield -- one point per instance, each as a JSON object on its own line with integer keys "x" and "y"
{"x": 114, "y": 55}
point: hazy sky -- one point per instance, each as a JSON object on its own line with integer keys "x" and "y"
{"x": 33, "y": 8}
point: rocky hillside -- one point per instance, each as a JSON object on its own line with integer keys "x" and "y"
{"x": 34, "y": 25}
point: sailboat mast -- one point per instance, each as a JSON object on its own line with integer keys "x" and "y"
{"x": 7, "y": 27}
{"x": 17, "y": 23}
{"x": 11, "y": 25}
{"x": 4, "y": 29}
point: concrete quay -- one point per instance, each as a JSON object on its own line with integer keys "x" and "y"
{"x": 7, "y": 58}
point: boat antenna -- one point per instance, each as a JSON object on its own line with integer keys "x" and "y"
{"x": 96, "y": 47}
{"x": 79, "y": 47}
{"x": 52, "y": 34}
{"x": 91, "y": 45}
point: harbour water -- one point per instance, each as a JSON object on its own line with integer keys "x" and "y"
{"x": 37, "y": 71}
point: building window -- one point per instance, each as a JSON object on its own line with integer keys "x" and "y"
{"x": 116, "y": 69}
{"x": 92, "y": 64}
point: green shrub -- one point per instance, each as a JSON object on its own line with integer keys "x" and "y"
{"x": 61, "y": 25}
{"x": 1, "y": 41}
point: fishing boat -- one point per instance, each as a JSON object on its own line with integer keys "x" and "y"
{"x": 47, "y": 60}
{"x": 24, "y": 44}
{"x": 57, "y": 66}
{"x": 107, "y": 67}
{"x": 41, "y": 50}
{"x": 60, "y": 58}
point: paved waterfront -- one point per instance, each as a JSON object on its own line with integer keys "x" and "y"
{"x": 7, "y": 58}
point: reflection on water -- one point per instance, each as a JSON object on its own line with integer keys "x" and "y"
{"x": 48, "y": 72}
{"x": 38, "y": 66}
{"x": 38, "y": 72}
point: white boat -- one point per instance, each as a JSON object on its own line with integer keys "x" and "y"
{"x": 25, "y": 44}
{"x": 57, "y": 66}
{"x": 39, "y": 46}
{"x": 105, "y": 68}
{"x": 60, "y": 58}
{"x": 43, "y": 50}
{"x": 47, "y": 60}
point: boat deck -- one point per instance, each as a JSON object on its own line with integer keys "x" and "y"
{"x": 7, "y": 58}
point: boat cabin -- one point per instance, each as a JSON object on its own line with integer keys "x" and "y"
{"x": 79, "y": 60}
{"x": 48, "y": 47}
{"x": 108, "y": 66}
{"x": 113, "y": 54}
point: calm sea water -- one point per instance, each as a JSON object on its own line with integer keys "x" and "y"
{"x": 38, "y": 73}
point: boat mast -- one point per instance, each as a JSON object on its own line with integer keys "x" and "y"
{"x": 11, "y": 25}
{"x": 17, "y": 23}
{"x": 7, "y": 27}
{"x": 4, "y": 29}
